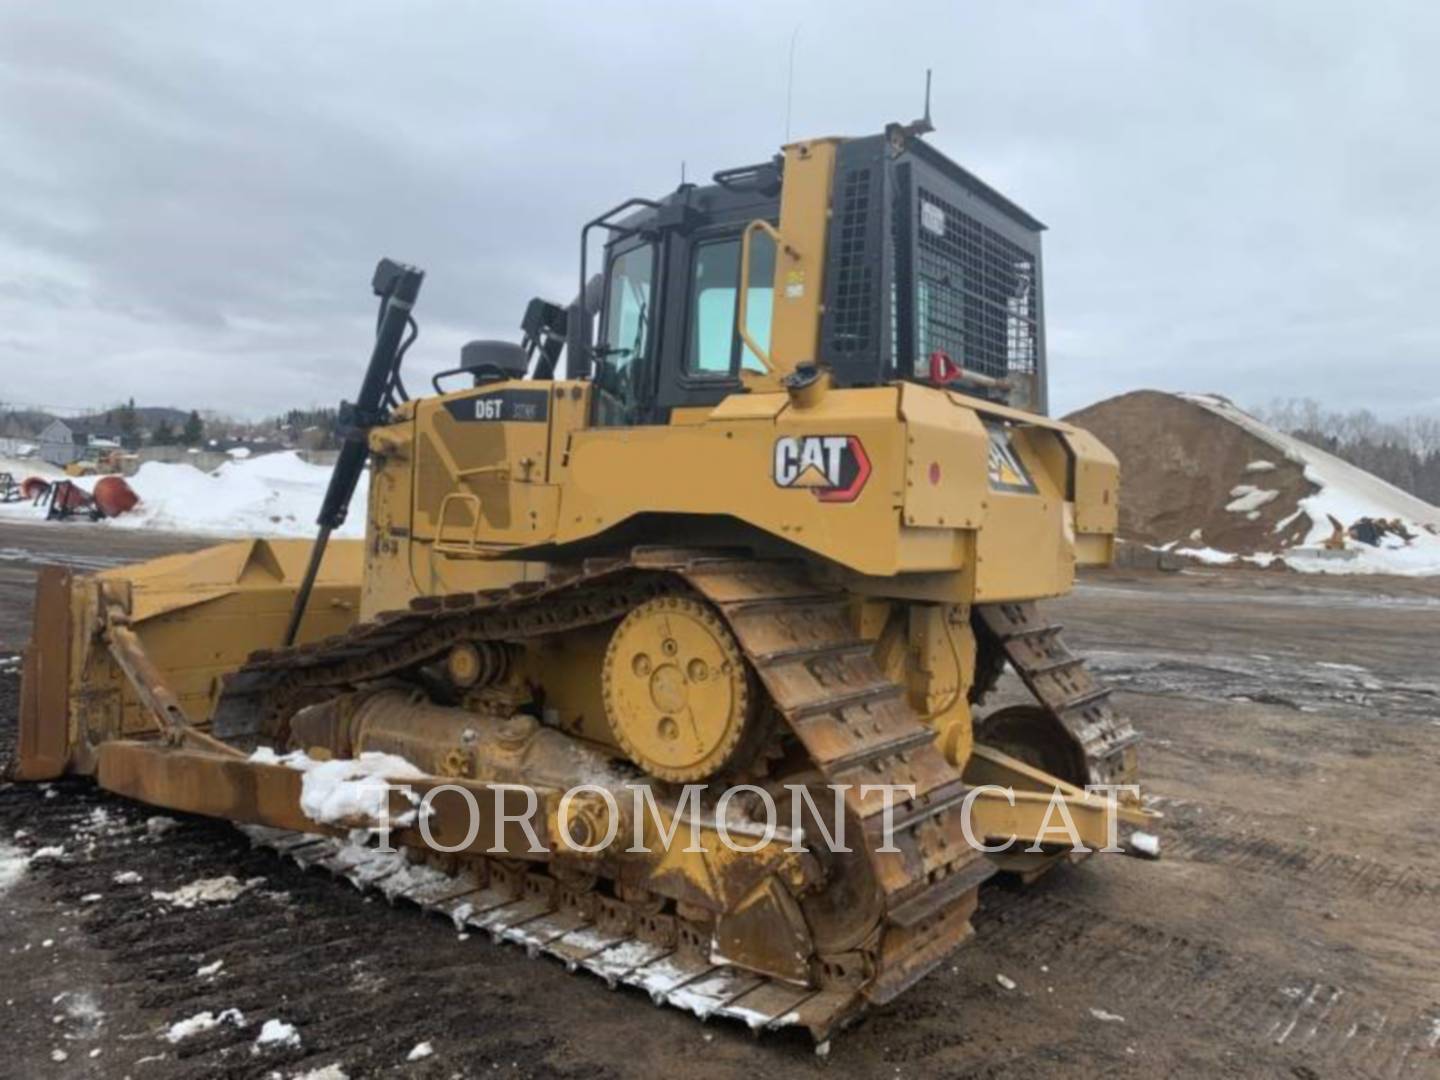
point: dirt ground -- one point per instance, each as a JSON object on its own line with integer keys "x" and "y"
{"x": 1293, "y": 739}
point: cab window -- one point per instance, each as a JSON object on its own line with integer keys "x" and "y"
{"x": 714, "y": 347}
{"x": 628, "y": 317}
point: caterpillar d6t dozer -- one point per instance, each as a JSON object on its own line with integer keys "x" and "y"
{"x": 722, "y": 558}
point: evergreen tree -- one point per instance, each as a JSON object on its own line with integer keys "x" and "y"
{"x": 128, "y": 422}
{"x": 194, "y": 429}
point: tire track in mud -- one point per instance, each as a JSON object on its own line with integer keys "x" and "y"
{"x": 1135, "y": 969}
{"x": 1229, "y": 839}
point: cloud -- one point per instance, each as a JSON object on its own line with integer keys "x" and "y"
{"x": 1240, "y": 198}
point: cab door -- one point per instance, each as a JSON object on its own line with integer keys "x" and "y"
{"x": 625, "y": 369}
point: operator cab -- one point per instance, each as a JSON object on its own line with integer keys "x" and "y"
{"x": 929, "y": 274}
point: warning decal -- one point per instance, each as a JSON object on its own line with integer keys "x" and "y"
{"x": 1007, "y": 472}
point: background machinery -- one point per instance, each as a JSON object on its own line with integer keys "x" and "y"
{"x": 768, "y": 504}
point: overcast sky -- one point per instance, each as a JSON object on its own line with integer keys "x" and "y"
{"x": 1241, "y": 197}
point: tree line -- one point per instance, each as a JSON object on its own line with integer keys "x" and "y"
{"x": 1404, "y": 452}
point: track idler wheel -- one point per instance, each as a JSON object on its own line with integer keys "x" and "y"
{"x": 1032, "y": 735}
{"x": 677, "y": 692}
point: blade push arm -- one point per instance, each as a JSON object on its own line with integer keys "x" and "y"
{"x": 398, "y": 287}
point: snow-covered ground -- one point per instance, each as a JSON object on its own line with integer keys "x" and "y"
{"x": 1346, "y": 493}
{"x": 269, "y": 495}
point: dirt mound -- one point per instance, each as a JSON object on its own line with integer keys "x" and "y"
{"x": 1202, "y": 477}
{"x": 1182, "y": 468}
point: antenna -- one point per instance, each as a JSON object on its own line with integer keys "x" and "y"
{"x": 900, "y": 134}
{"x": 923, "y": 126}
{"x": 790, "y": 81}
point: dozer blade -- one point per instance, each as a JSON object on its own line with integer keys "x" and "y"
{"x": 189, "y": 619}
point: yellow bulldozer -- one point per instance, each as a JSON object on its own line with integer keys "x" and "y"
{"x": 751, "y": 527}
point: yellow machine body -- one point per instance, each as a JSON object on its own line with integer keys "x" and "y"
{"x": 800, "y": 581}
{"x": 961, "y": 501}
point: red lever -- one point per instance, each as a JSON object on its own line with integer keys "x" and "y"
{"x": 943, "y": 369}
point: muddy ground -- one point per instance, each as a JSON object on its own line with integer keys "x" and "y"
{"x": 1291, "y": 929}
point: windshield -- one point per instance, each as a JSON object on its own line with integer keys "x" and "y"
{"x": 715, "y": 348}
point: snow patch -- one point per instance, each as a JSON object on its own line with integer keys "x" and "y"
{"x": 202, "y": 1022}
{"x": 221, "y": 890}
{"x": 84, "y": 1010}
{"x": 127, "y": 877}
{"x": 1210, "y": 556}
{"x": 1144, "y": 843}
{"x": 159, "y": 825}
{"x": 12, "y": 866}
{"x": 208, "y": 970}
{"x": 276, "y": 1035}
{"x": 1107, "y": 1017}
{"x": 325, "y": 1072}
{"x": 1260, "y": 466}
{"x": 1247, "y": 499}
{"x": 420, "y": 1052}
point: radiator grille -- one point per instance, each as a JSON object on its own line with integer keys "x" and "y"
{"x": 975, "y": 292}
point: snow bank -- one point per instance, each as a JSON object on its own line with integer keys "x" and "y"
{"x": 269, "y": 495}
{"x": 1346, "y": 493}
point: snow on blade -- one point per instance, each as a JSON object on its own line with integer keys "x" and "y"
{"x": 350, "y": 792}
{"x": 200, "y": 1022}
{"x": 221, "y": 890}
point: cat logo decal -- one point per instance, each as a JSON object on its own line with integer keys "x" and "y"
{"x": 833, "y": 467}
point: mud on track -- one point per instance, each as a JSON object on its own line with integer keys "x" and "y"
{"x": 1290, "y": 929}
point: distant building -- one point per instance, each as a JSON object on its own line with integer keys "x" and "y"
{"x": 58, "y": 444}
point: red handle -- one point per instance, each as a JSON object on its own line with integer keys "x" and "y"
{"x": 943, "y": 369}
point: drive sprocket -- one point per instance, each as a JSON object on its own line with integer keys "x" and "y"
{"x": 677, "y": 693}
